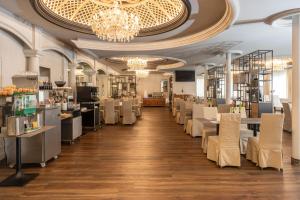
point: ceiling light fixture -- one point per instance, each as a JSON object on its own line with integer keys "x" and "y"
{"x": 142, "y": 73}
{"x": 115, "y": 24}
{"x": 136, "y": 64}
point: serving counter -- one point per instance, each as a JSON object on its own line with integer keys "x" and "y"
{"x": 154, "y": 102}
{"x": 42, "y": 147}
{"x": 71, "y": 126}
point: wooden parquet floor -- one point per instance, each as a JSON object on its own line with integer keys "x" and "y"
{"x": 153, "y": 160}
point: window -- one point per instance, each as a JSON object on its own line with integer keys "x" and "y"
{"x": 280, "y": 80}
{"x": 200, "y": 86}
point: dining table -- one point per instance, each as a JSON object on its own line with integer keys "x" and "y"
{"x": 255, "y": 122}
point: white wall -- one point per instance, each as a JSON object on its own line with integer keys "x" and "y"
{"x": 12, "y": 59}
{"x": 149, "y": 84}
{"x": 57, "y": 64}
{"x": 184, "y": 88}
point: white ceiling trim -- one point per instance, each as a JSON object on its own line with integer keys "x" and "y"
{"x": 231, "y": 14}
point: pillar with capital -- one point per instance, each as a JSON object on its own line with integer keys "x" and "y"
{"x": 32, "y": 60}
{"x": 205, "y": 81}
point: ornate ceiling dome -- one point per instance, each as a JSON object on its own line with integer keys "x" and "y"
{"x": 156, "y": 16}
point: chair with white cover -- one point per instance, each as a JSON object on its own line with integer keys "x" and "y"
{"x": 277, "y": 105}
{"x": 181, "y": 114}
{"x": 245, "y": 133}
{"x": 205, "y": 128}
{"x": 197, "y": 112}
{"x": 137, "y": 107}
{"x": 111, "y": 116}
{"x": 266, "y": 150}
{"x": 198, "y": 123}
{"x": 176, "y": 106}
{"x": 224, "y": 108}
{"x": 224, "y": 149}
{"x": 287, "y": 125}
{"x": 187, "y": 113}
{"x": 128, "y": 113}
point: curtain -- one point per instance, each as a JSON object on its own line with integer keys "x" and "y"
{"x": 280, "y": 84}
{"x": 200, "y": 86}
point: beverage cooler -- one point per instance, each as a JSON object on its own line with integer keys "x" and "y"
{"x": 42, "y": 147}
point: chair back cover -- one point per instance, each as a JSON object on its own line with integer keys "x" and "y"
{"x": 117, "y": 102}
{"x": 109, "y": 111}
{"x": 197, "y": 110}
{"x": 224, "y": 108}
{"x": 210, "y": 112}
{"x": 177, "y": 103}
{"x": 188, "y": 105}
{"x": 230, "y": 130}
{"x": 271, "y": 131}
{"x": 276, "y": 101}
{"x": 127, "y": 107}
{"x": 182, "y": 109}
{"x": 287, "y": 126}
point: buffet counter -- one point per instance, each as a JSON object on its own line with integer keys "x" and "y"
{"x": 154, "y": 102}
{"x": 71, "y": 126}
{"x": 42, "y": 147}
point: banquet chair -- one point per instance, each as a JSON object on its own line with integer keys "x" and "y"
{"x": 287, "y": 125}
{"x": 224, "y": 149}
{"x": 196, "y": 113}
{"x": 245, "y": 133}
{"x": 205, "y": 128}
{"x": 128, "y": 113}
{"x": 188, "y": 114}
{"x": 266, "y": 150}
{"x": 200, "y": 123}
{"x": 111, "y": 116}
{"x": 118, "y": 106}
{"x": 224, "y": 108}
{"x": 182, "y": 113}
{"x": 176, "y": 106}
{"x": 137, "y": 107}
{"x": 193, "y": 127}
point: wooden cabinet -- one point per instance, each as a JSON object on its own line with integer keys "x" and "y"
{"x": 148, "y": 102}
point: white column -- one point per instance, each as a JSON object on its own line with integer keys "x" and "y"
{"x": 296, "y": 91}
{"x": 73, "y": 79}
{"x": 228, "y": 78}
{"x": 32, "y": 60}
{"x": 205, "y": 82}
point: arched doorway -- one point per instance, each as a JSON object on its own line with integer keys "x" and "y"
{"x": 84, "y": 74}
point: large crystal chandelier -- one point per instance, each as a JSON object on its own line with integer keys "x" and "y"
{"x": 115, "y": 24}
{"x": 136, "y": 64}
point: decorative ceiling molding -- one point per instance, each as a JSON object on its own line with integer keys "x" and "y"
{"x": 76, "y": 15}
{"x": 170, "y": 66}
{"x": 226, "y": 21}
{"x": 271, "y": 20}
{"x": 283, "y": 16}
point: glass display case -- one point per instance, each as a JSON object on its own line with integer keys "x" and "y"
{"x": 25, "y": 104}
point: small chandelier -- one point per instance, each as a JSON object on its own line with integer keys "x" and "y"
{"x": 136, "y": 64}
{"x": 115, "y": 24}
{"x": 142, "y": 73}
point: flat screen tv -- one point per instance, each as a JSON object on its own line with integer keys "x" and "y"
{"x": 185, "y": 76}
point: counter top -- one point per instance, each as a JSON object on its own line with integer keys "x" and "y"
{"x": 31, "y": 134}
{"x": 66, "y": 116}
